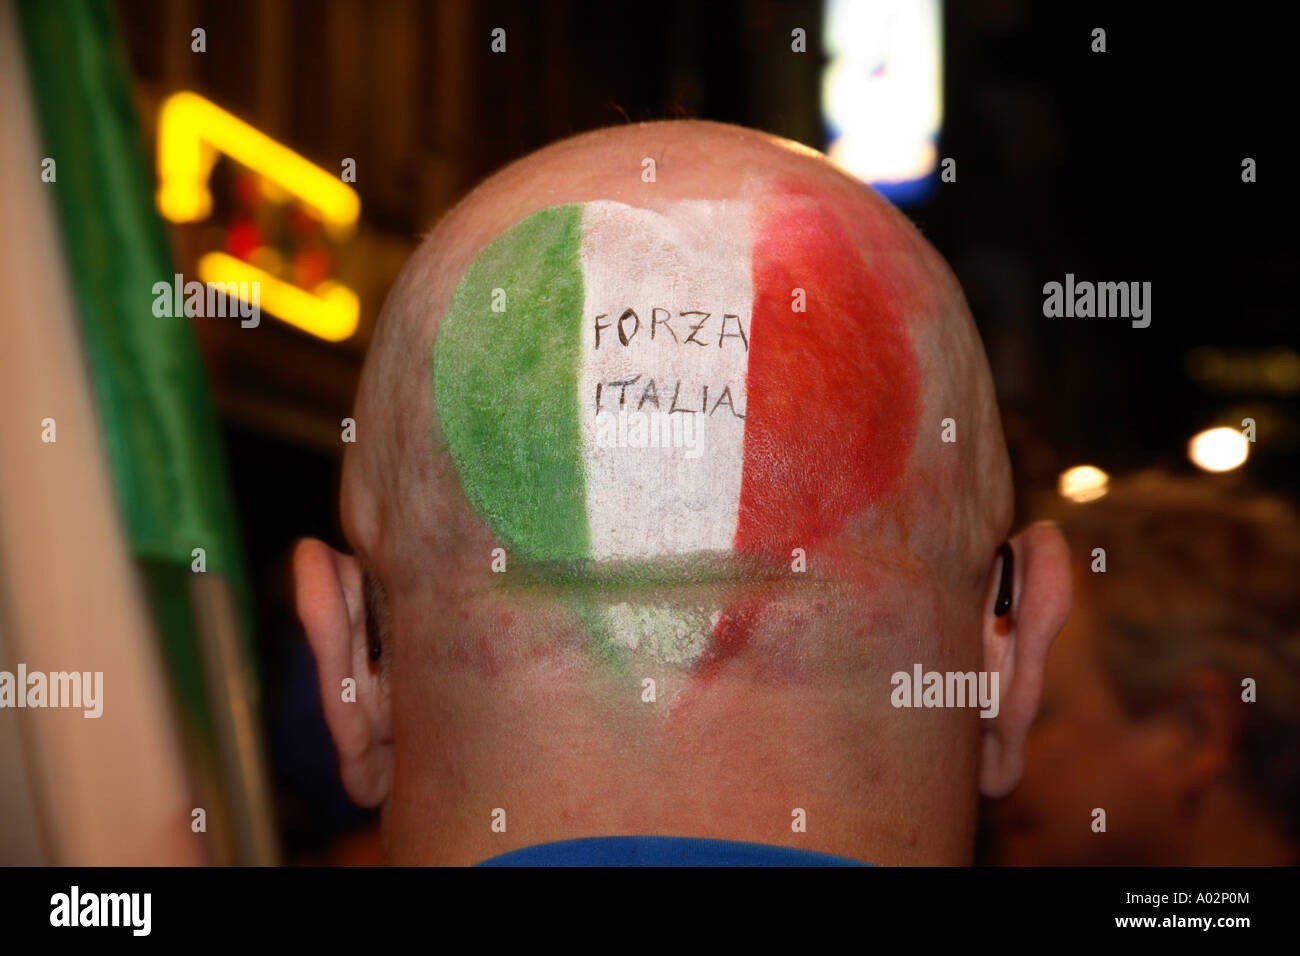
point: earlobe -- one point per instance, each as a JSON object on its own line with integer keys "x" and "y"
{"x": 1016, "y": 647}
{"x": 332, "y": 610}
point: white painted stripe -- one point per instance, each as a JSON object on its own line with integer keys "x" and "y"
{"x": 690, "y": 256}
{"x": 666, "y": 635}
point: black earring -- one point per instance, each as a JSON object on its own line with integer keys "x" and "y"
{"x": 1003, "y": 604}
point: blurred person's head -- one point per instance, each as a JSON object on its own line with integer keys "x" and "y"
{"x": 547, "y": 619}
{"x": 1172, "y": 698}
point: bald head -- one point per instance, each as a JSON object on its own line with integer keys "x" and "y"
{"x": 677, "y": 432}
{"x": 831, "y": 338}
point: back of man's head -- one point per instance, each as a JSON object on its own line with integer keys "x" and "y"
{"x": 674, "y": 446}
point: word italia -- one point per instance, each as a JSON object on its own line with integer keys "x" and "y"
{"x": 646, "y": 392}
{"x": 948, "y": 689}
{"x": 56, "y": 689}
{"x": 210, "y": 300}
{"x": 103, "y": 909}
{"x": 703, "y": 329}
{"x": 1102, "y": 300}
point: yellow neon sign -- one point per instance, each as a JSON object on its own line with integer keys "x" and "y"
{"x": 192, "y": 132}
{"x": 331, "y": 313}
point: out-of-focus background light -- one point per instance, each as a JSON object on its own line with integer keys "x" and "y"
{"x": 1274, "y": 371}
{"x": 1218, "y": 449}
{"x": 1083, "y": 483}
{"x": 193, "y": 133}
{"x": 882, "y": 92}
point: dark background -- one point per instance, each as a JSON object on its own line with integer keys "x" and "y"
{"x": 1117, "y": 166}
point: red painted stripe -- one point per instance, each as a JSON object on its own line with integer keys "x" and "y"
{"x": 832, "y": 393}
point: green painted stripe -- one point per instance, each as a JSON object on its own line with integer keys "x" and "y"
{"x": 602, "y": 644}
{"x": 507, "y": 386}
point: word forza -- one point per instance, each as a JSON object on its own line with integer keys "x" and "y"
{"x": 692, "y": 328}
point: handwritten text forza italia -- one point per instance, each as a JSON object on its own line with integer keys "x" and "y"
{"x": 669, "y": 393}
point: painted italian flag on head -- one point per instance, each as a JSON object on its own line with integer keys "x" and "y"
{"x": 616, "y": 382}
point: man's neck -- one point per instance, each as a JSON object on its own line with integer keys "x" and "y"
{"x": 747, "y": 763}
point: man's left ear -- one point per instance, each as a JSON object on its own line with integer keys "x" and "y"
{"x": 1016, "y": 645}
{"x": 332, "y": 608}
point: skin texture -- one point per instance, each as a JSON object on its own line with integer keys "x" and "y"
{"x": 491, "y": 690}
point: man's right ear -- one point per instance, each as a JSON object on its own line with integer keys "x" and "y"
{"x": 1016, "y": 641}
{"x": 332, "y": 608}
